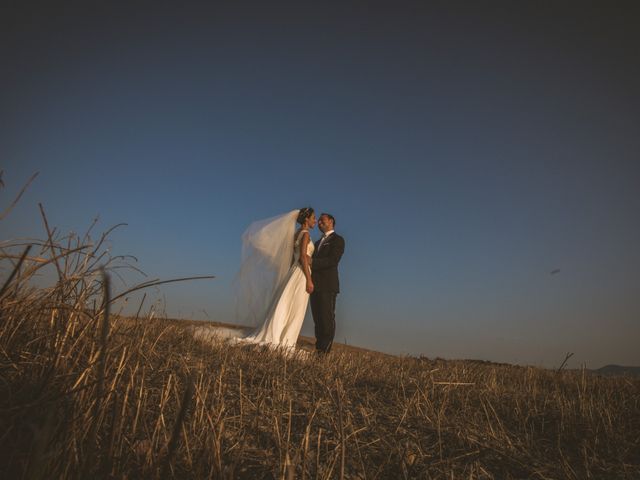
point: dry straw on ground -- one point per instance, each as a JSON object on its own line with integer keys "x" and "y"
{"x": 85, "y": 393}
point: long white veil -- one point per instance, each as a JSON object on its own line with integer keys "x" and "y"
{"x": 267, "y": 255}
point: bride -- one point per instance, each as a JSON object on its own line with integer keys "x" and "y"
{"x": 274, "y": 281}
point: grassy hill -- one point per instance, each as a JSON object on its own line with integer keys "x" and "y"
{"x": 88, "y": 394}
{"x": 148, "y": 398}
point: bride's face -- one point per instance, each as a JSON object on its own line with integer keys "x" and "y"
{"x": 311, "y": 221}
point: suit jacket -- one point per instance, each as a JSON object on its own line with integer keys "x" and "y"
{"x": 324, "y": 268}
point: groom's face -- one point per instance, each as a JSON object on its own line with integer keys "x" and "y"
{"x": 324, "y": 223}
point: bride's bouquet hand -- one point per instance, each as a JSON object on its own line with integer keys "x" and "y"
{"x": 309, "y": 287}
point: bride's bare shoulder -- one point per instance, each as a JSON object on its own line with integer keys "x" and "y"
{"x": 300, "y": 232}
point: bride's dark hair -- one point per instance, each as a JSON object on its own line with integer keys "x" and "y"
{"x": 304, "y": 214}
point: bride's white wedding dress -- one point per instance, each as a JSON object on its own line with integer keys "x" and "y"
{"x": 286, "y": 312}
{"x": 270, "y": 287}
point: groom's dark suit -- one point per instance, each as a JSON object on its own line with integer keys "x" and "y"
{"x": 324, "y": 273}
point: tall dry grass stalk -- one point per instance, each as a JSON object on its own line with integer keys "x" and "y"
{"x": 88, "y": 394}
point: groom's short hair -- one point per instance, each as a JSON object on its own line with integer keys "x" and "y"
{"x": 330, "y": 217}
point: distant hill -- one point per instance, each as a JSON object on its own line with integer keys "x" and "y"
{"x": 618, "y": 370}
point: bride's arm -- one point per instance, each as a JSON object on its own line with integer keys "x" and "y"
{"x": 306, "y": 261}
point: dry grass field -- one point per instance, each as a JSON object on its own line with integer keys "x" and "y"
{"x": 85, "y": 393}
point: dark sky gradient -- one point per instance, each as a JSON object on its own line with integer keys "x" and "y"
{"x": 466, "y": 151}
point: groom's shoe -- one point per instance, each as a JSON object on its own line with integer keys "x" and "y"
{"x": 320, "y": 355}
{"x": 323, "y": 349}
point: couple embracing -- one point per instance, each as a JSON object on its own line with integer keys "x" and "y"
{"x": 282, "y": 271}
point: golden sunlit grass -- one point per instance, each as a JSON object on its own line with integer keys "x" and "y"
{"x": 85, "y": 393}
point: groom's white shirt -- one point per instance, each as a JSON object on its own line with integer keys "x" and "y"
{"x": 324, "y": 237}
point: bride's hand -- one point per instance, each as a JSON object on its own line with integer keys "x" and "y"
{"x": 309, "y": 287}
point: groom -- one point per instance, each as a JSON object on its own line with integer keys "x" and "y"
{"x": 324, "y": 273}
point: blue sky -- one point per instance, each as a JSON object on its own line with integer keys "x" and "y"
{"x": 466, "y": 152}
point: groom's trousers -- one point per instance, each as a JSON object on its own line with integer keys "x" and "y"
{"x": 323, "y": 309}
